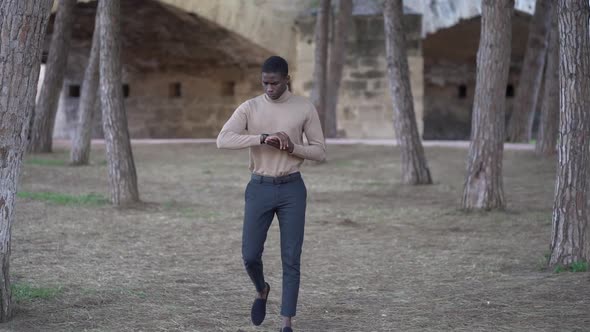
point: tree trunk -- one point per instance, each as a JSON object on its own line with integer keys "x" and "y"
{"x": 483, "y": 184}
{"x": 80, "y": 154}
{"x": 529, "y": 85}
{"x": 46, "y": 108}
{"x": 533, "y": 122}
{"x": 320, "y": 70}
{"x": 414, "y": 166}
{"x": 22, "y": 27}
{"x": 335, "y": 64}
{"x": 571, "y": 206}
{"x": 549, "y": 121}
{"x": 122, "y": 176}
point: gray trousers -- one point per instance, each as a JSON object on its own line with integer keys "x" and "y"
{"x": 286, "y": 197}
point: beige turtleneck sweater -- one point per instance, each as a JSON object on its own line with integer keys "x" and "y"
{"x": 292, "y": 114}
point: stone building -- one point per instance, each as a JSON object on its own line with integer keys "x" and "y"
{"x": 189, "y": 63}
{"x": 183, "y": 75}
{"x": 365, "y": 108}
{"x": 449, "y": 75}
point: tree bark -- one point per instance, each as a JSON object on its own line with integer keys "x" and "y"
{"x": 483, "y": 183}
{"x": 335, "y": 65}
{"x": 569, "y": 238}
{"x": 549, "y": 121}
{"x": 320, "y": 71}
{"x": 539, "y": 104}
{"x": 122, "y": 175}
{"x": 414, "y": 166}
{"x": 46, "y": 108}
{"x": 22, "y": 27}
{"x": 80, "y": 154}
{"x": 529, "y": 85}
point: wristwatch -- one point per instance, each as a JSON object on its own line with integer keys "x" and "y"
{"x": 263, "y": 138}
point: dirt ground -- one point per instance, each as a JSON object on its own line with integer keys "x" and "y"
{"x": 378, "y": 255}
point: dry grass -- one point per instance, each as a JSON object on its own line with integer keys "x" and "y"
{"x": 378, "y": 255}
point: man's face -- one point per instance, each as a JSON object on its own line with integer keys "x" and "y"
{"x": 274, "y": 84}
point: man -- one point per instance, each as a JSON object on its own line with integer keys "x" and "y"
{"x": 272, "y": 126}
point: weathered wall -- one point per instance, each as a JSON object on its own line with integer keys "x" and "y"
{"x": 450, "y": 57}
{"x": 153, "y": 112}
{"x": 268, "y": 23}
{"x": 162, "y": 45}
{"x": 447, "y": 113}
{"x": 364, "y": 107}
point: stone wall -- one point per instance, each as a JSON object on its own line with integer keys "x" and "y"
{"x": 183, "y": 74}
{"x": 450, "y": 60}
{"x": 365, "y": 105}
{"x": 268, "y": 23}
{"x": 154, "y": 109}
{"x": 449, "y": 91}
{"x": 365, "y": 108}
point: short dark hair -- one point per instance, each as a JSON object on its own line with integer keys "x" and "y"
{"x": 276, "y": 64}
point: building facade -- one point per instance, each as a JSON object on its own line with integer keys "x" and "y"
{"x": 187, "y": 64}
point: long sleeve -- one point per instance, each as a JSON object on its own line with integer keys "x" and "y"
{"x": 316, "y": 150}
{"x": 232, "y": 134}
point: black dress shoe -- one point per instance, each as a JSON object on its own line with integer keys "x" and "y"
{"x": 259, "y": 309}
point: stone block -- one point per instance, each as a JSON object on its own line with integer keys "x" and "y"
{"x": 413, "y": 26}
{"x": 375, "y": 29}
{"x": 370, "y": 95}
{"x": 361, "y": 28}
{"x": 347, "y": 113}
{"x": 371, "y": 48}
{"x": 369, "y": 62}
{"x": 351, "y": 62}
{"x": 414, "y": 46}
{"x": 368, "y": 74}
{"x": 377, "y": 84}
{"x": 355, "y": 85}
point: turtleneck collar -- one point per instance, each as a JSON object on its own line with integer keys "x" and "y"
{"x": 283, "y": 98}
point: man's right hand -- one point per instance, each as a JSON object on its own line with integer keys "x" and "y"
{"x": 279, "y": 140}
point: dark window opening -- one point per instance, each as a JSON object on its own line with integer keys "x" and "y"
{"x": 125, "y": 90}
{"x": 510, "y": 91}
{"x": 228, "y": 89}
{"x": 462, "y": 92}
{"x": 175, "y": 90}
{"x": 74, "y": 91}
{"x": 44, "y": 56}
